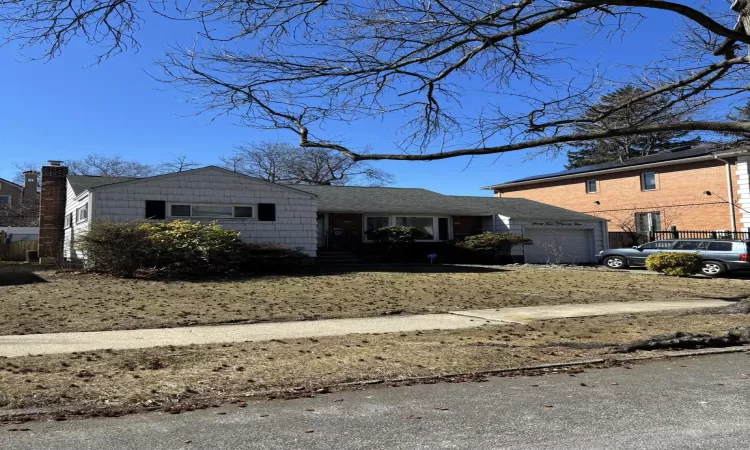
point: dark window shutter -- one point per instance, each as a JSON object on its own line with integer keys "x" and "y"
{"x": 442, "y": 228}
{"x": 156, "y": 209}
{"x": 266, "y": 212}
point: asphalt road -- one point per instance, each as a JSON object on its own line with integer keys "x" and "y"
{"x": 686, "y": 403}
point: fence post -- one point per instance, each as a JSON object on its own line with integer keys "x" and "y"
{"x": 651, "y": 235}
{"x": 713, "y": 235}
{"x": 675, "y": 233}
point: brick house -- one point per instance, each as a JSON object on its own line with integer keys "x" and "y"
{"x": 706, "y": 187}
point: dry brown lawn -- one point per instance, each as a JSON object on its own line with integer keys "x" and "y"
{"x": 43, "y": 301}
{"x": 167, "y": 376}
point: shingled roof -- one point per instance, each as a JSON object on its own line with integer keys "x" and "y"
{"x": 386, "y": 200}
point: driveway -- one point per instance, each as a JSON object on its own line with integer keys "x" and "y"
{"x": 685, "y": 403}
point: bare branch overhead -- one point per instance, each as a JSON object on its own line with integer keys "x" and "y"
{"x": 446, "y": 78}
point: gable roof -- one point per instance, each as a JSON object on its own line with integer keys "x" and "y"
{"x": 387, "y": 200}
{"x": 702, "y": 150}
{"x": 81, "y": 183}
{"x": 4, "y": 181}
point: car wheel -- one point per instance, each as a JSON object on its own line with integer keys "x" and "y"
{"x": 616, "y": 262}
{"x": 712, "y": 268}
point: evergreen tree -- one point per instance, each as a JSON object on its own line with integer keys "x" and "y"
{"x": 653, "y": 110}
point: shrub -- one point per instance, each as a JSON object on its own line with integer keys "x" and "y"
{"x": 490, "y": 246}
{"x": 117, "y": 248}
{"x": 182, "y": 246}
{"x": 493, "y": 241}
{"x": 178, "y": 247}
{"x": 397, "y": 234}
{"x": 674, "y": 263}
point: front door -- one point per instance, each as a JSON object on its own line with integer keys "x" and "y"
{"x": 322, "y": 235}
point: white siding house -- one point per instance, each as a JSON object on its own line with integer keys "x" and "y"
{"x": 262, "y": 212}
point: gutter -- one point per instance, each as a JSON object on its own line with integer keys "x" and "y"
{"x": 730, "y": 192}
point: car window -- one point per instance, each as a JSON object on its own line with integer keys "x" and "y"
{"x": 686, "y": 245}
{"x": 720, "y": 246}
{"x": 658, "y": 245}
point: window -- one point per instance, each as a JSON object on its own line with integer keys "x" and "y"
{"x": 590, "y": 186}
{"x": 648, "y": 181}
{"x": 243, "y": 211}
{"x": 425, "y": 224}
{"x": 720, "y": 246}
{"x": 4, "y": 199}
{"x": 212, "y": 211}
{"x": 219, "y": 211}
{"x": 374, "y": 223}
{"x": 82, "y": 213}
{"x": 687, "y": 245}
{"x": 657, "y": 245}
{"x": 650, "y": 221}
{"x": 180, "y": 210}
{"x": 68, "y": 220}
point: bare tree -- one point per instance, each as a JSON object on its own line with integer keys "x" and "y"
{"x": 23, "y": 212}
{"x": 302, "y": 65}
{"x": 283, "y": 163}
{"x": 21, "y": 167}
{"x": 177, "y": 163}
{"x": 110, "y": 166}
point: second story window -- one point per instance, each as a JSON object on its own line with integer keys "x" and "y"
{"x": 648, "y": 181}
{"x": 590, "y": 186}
{"x": 648, "y": 221}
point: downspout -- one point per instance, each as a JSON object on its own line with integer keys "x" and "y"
{"x": 730, "y": 192}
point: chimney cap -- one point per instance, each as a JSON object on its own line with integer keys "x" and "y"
{"x": 54, "y": 162}
{"x": 35, "y": 172}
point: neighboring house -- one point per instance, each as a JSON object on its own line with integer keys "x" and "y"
{"x": 18, "y": 203}
{"x": 346, "y": 213}
{"x": 706, "y": 187}
{"x": 261, "y": 211}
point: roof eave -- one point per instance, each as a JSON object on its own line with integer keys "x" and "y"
{"x": 606, "y": 171}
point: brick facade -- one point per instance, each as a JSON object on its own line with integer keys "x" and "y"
{"x": 52, "y": 212}
{"x": 679, "y": 196}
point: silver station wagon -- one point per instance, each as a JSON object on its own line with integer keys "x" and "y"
{"x": 719, "y": 256}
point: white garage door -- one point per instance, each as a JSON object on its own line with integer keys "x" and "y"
{"x": 559, "y": 245}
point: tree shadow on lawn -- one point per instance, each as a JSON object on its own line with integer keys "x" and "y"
{"x": 19, "y": 277}
{"x": 333, "y": 270}
{"x": 403, "y": 268}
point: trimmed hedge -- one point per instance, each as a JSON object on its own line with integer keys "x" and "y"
{"x": 180, "y": 247}
{"x": 674, "y": 263}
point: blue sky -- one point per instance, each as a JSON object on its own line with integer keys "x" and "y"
{"x": 66, "y": 108}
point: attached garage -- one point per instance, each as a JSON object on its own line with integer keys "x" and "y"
{"x": 560, "y": 245}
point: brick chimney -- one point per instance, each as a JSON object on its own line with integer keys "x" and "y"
{"x": 30, "y": 183}
{"x": 52, "y": 212}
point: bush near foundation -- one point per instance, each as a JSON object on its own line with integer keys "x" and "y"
{"x": 179, "y": 247}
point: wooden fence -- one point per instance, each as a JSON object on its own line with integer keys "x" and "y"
{"x": 16, "y": 251}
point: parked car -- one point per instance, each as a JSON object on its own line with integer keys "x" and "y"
{"x": 719, "y": 256}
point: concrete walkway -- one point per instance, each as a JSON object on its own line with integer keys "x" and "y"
{"x": 37, "y": 344}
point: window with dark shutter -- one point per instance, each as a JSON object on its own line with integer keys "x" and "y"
{"x": 156, "y": 209}
{"x": 266, "y": 212}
